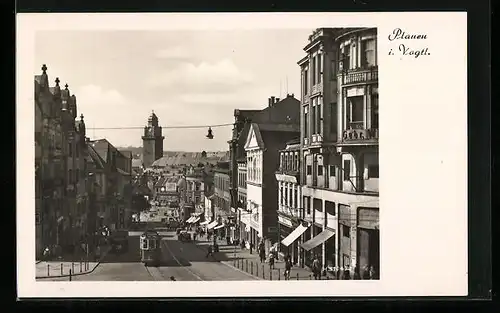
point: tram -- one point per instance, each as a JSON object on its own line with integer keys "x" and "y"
{"x": 150, "y": 245}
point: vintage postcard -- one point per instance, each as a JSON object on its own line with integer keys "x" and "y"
{"x": 181, "y": 155}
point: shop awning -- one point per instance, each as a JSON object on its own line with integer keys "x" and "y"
{"x": 190, "y": 220}
{"x": 319, "y": 239}
{"x": 204, "y": 223}
{"x": 212, "y": 225}
{"x": 218, "y": 227}
{"x": 294, "y": 235}
{"x": 196, "y": 219}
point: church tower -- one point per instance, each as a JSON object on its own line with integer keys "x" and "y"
{"x": 152, "y": 141}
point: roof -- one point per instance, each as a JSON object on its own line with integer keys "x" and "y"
{"x": 126, "y": 153}
{"x": 96, "y": 158}
{"x": 103, "y": 147}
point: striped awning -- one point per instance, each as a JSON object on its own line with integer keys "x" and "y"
{"x": 219, "y": 226}
{"x": 212, "y": 225}
{"x": 196, "y": 219}
{"x": 189, "y": 220}
{"x": 319, "y": 239}
{"x": 294, "y": 235}
{"x": 204, "y": 223}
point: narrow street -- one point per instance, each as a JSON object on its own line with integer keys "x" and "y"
{"x": 180, "y": 260}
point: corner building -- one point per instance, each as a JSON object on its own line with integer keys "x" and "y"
{"x": 339, "y": 138}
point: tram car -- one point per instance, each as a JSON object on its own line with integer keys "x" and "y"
{"x": 150, "y": 245}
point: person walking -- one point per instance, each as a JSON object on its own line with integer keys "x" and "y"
{"x": 209, "y": 251}
{"x": 271, "y": 261}
{"x": 316, "y": 267}
{"x": 288, "y": 267}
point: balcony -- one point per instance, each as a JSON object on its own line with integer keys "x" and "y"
{"x": 360, "y": 76}
{"x": 359, "y": 136}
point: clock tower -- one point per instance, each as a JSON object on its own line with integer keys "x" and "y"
{"x": 152, "y": 141}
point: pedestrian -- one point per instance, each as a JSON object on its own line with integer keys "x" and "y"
{"x": 288, "y": 267}
{"x": 271, "y": 261}
{"x": 347, "y": 274}
{"x": 356, "y": 275}
{"x": 209, "y": 251}
{"x": 316, "y": 267}
{"x": 373, "y": 273}
{"x": 262, "y": 255}
{"x": 366, "y": 272}
{"x": 194, "y": 236}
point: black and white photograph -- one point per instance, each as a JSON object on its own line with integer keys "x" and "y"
{"x": 207, "y": 155}
{"x": 240, "y": 155}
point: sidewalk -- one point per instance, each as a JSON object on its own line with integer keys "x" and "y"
{"x": 51, "y": 269}
{"x": 241, "y": 259}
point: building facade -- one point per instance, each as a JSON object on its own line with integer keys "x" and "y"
{"x": 114, "y": 178}
{"x": 152, "y": 141}
{"x": 339, "y": 137}
{"x": 262, "y": 145}
{"x": 291, "y": 225}
{"x": 50, "y": 159}
{"x": 222, "y": 198}
{"x": 279, "y": 111}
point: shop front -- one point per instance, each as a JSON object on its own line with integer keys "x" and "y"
{"x": 368, "y": 238}
{"x": 290, "y": 237}
{"x": 314, "y": 246}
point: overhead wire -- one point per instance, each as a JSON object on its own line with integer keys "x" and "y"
{"x": 163, "y": 127}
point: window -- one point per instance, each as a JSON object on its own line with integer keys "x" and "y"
{"x": 77, "y": 175}
{"x": 319, "y": 129}
{"x": 333, "y": 118}
{"x": 333, "y": 69}
{"x": 346, "y": 231}
{"x": 355, "y": 112}
{"x": 70, "y": 149}
{"x": 332, "y": 171}
{"x": 309, "y": 170}
{"x": 314, "y": 70}
{"x": 295, "y": 197}
{"x": 369, "y": 52}
{"x": 330, "y": 207}
{"x": 77, "y": 151}
{"x": 320, "y": 67}
{"x": 70, "y": 176}
{"x": 314, "y": 114}
{"x": 374, "y": 111}
{"x": 347, "y": 57}
{"x": 145, "y": 244}
{"x": 373, "y": 171}
{"x": 306, "y": 119}
{"x": 320, "y": 170}
{"x": 306, "y": 85}
{"x": 347, "y": 169}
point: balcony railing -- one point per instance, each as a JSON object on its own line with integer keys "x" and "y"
{"x": 360, "y": 135}
{"x": 360, "y": 76}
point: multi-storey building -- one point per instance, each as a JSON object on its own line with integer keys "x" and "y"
{"x": 152, "y": 141}
{"x": 291, "y": 225}
{"x": 222, "y": 198}
{"x": 262, "y": 146}
{"x": 50, "y": 159}
{"x": 339, "y": 137}
{"x": 278, "y": 111}
{"x": 115, "y": 180}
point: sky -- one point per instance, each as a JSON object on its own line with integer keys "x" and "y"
{"x": 186, "y": 78}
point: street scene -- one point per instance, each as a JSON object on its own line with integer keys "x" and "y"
{"x": 207, "y": 155}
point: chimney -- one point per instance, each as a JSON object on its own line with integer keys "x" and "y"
{"x": 270, "y": 102}
{"x": 273, "y": 100}
{"x": 277, "y": 100}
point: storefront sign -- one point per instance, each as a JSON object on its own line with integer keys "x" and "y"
{"x": 285, "y": 221}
